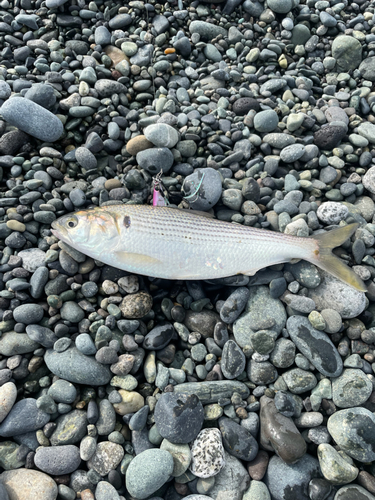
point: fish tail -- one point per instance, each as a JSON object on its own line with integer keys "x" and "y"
{"x": 326, "y": 260}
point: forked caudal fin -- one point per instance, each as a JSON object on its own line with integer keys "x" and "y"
{"x": 326, "y": 260}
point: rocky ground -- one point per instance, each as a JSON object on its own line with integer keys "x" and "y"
{"x": 115, "y": 386}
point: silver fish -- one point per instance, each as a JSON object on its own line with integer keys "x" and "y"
{"x": 177, "y": 244}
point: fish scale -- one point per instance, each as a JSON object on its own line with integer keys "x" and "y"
{"x": 169, "y": 243}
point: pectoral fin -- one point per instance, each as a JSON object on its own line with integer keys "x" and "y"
{"x": 135, "y": 259}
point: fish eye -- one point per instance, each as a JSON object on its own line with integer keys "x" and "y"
{"x": 73, "y": 221}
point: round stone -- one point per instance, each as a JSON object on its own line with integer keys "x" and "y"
{"x": 181, "y": 456}
{"x": 244, "y": 104}
{"x": 347, "y": 51}
{"x": 179, "y": 417}
{"x": 352, "y": 388}
{"x": 136, "y": 305}
{"x": 161, "y": 135}
{"x": 280, "y": 6}
{"x": 28, "y": 313}
{"x": 354, "y": 432}
{"x": 266, "y": 121}
{"x": 331, "y": 212}
{"x": 148, "y": 471}
{"x": 8, "y": 395}
{"x": 202, "y": 189}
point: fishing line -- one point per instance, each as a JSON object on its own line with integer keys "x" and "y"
{"x": 197, "y": 189}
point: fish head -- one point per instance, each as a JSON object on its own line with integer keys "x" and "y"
{"x": 90, "y": 231}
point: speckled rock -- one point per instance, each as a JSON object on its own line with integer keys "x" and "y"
{"x": 207, "y": 454}
{"x": 339, "y": 296}
{"x": 57, "y": 460}
{"x": 107, "y": 456}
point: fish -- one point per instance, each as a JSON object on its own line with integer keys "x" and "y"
{"x": 177, "y": 244}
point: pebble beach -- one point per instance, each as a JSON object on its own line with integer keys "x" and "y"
{"x": 116, "y": 386}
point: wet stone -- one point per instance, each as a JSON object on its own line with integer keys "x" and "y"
{"x": 279, "y": 433}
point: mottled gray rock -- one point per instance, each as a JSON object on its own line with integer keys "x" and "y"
{"x": 287, "y": 481}
{"x": 315, "y": 345}
{"x": 70, "y": 429}
{"x": 237, "y": 440}
{"x": 259, "y": 308}
{"x": 354, "y": 431}
{"x": 352, "y": 388}
{"x": 107, "y": 456}
{"x": 179, "y": 417}
{"x": 232, "y": 480}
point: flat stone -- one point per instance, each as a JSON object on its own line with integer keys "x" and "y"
{"x": 75, "y": 367}
{"x": 315, "y": 345}
{"x": 32, "y": 119}
{"x": 211, "y": 391}
{"x": 24, "y": 417}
